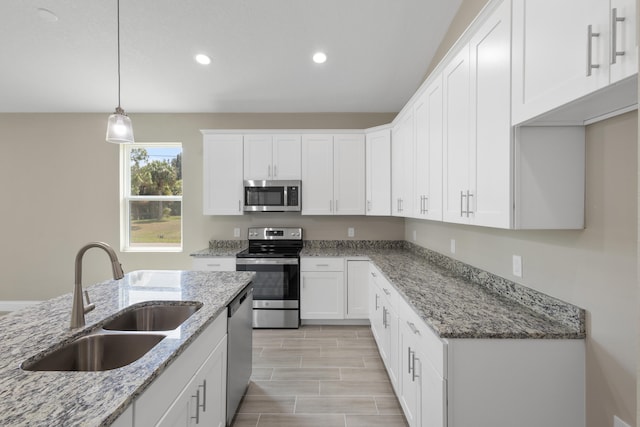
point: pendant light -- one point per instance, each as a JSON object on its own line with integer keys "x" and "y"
{"x": 119, "y": 129}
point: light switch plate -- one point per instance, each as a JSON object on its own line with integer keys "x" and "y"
{"x": 236, "y": 232}
{"x": 351, "y": 232}
{"x": 415, "y": 235}
{"x": 517, "y": 265}
{"x": 453, "y": 246}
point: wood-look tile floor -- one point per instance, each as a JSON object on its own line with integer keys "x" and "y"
{"x": 318, "y": 376}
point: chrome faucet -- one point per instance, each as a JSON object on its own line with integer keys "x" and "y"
{"x": 78, "y": 309}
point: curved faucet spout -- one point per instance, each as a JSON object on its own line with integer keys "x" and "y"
{"x": 78, "y": 309}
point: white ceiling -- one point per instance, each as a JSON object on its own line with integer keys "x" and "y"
{"x": 378, "y": 52}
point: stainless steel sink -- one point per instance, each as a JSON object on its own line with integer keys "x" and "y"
{"x": 98, "y": 352}
{"x": 160, "y": 316}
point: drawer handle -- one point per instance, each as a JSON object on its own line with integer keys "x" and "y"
{"x": 615, "y": 19}
{"x": 322, "y": 265}
{"x": 590, "y": 36}
{"x": 204, "y": 395}
{"x": 373, "y": 274}
{"x": 413, "y": 328}
{"x": 197, "y": 397}
{"x": 213, "y": 265}
{"x": 386, "y": 291}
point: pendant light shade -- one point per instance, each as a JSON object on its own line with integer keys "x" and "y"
{"x": 119, "y": 128}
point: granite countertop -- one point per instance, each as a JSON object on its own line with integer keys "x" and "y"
{"x": 98, "y": 398}
{"x": 457, "y": 300}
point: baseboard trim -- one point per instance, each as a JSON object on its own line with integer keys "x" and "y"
{"x": 15, "y": 305}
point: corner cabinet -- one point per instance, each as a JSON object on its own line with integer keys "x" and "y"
{"x": 222, "y": 175}
{"x": 321, "y": 288}
{"x": 333, "y": 174}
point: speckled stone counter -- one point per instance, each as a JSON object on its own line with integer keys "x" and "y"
{"x": 221, "y": 248}
{"x": 457, "y": 300}
{"x": 29, "y": 398}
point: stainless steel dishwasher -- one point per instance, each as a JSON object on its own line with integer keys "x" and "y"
{"x": 239, "y": 348}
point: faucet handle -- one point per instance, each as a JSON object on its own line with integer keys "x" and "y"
{"x": 89, "y": 306}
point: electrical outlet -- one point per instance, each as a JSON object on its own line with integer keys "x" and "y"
{"x": 415, "y": 235}
{"x": 351, "y": 232}
{"x": 236, "y": 232}
{"x": 453, "y": 246}
{"x": 517, "y": 265}
{"x": 617, "y": 422}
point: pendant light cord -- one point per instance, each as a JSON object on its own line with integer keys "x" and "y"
{"x": 118, "y": 9}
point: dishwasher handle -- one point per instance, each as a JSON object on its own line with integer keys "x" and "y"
{"x": 242, "y": 298}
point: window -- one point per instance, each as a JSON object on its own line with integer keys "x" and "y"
{"x": 151, "y": 197}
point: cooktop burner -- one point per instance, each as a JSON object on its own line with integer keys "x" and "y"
{"x": 273, "y": 242}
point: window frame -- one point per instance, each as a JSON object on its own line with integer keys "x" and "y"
{"x": 126, "y": 198}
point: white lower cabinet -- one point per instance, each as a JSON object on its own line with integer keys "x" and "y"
{"x": 475, "y": 382}
{"x": 384, "y": 322}
{"x": 203, "y": 400}
{"x": 214, "y": 264}
{"x": 357, "y": 305}
{"x": 321, "y": 288}
{"x": 192, "y": 389}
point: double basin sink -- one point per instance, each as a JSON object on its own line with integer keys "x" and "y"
{"x": 121, "y": 341}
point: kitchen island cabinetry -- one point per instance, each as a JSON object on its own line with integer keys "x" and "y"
{"x": 222, "y": 173}
{"x": 272, "y": 157}
{"x": 196, "y": 379}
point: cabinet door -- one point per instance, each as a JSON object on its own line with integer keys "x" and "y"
{"x": 433, "y": 392}
{"x": 214, "y": 264}
{"x": 421, "y": 158}
{"x": 348, "y": 175}
{"x": 456, "y": 145}
{"x": 286, "y": 157}
{"x": 322, "y": 295}
{"x": 203, "y": 401}
{"x": 433, "y": 201}
{"x": 409, "y": 378}
{"x": 257, "y": 157}
{"x": 491, "y": 147}
{"x": 551, "y": 53}
{"x": 375, "y": 308}
{"x": 222, "y": 172}
{"x": 357, "y": 290}
{"x": 403, "y": 166}
{"x": 623, "y": 27}
{"x": 396, "y": 169}
{"x": 378, "y": 173}
{"x": 317, "y": 175}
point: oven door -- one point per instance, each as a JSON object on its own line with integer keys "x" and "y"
{"x": 277, "y": 281}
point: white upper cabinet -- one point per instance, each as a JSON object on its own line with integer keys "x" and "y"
{"x": 378, "y": 173}
{"x": 333, "y": 174}
{"x": 564, "y": 51}
{"x": 403, "y": 163}
{"x": 222, "y": 172}
{"x": 428, "y": 152}
{"x": 272, "y": 157}
{"x": 457, "y": 189}
{"x": 489, "y": 200}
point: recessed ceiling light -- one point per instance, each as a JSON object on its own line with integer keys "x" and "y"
{"x": 47, "y": 15}
{"x": 319, "y": 57}
{"x": 203, "y": 59}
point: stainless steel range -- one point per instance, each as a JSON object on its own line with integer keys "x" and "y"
{"x": 274, "y": 255}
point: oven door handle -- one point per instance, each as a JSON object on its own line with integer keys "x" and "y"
{"x": 267, "y": 261}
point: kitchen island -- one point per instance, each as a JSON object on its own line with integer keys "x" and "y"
{"x": 46, "y": 398}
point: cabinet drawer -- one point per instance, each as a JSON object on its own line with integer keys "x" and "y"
{"x": 431, "y": 346}
{"x": 214, "y": 264}
{"x": 386, "y": 289}
{"x": 321, "y": 264}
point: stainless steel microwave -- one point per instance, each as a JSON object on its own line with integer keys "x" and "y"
{"x": 272, "y": 196}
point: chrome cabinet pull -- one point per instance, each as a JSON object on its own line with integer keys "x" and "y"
{"x": 462, "y": 196}
{"x": 469, "y": 196}
{"x": 614, "y": 35}
{"x": 377, "y": 297}
{"x": 413, "y": 367}
{"x": 336, "y": 206}
{"x": 386, "y": 291}
{"x": 239, "y": 206}
{"x": 204, "y": 395}
{"x": 384, "y": 317}
{"x": 426, "y": 204}
{"x": 197, "y": 397}
{"x": 590, "y": 36}
{"x": 269, "y": 171}
{"x": 413, "y": 328}
{"x": 408, "y": 360}
{"x": 275, "y": 170}
{"x": 373, "y": 274}
{"x": 368, "y": 205}
{"x": 330, "y": 205}
{"x": 322, "y": 265}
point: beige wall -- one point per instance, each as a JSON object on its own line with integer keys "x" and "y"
{"x": 61, "y": 190}
{"x": 593, "y": 268}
